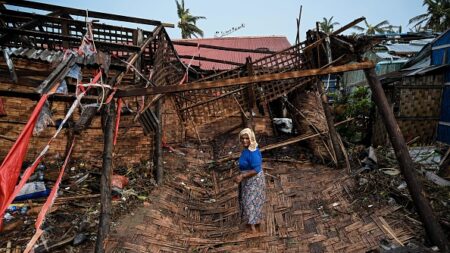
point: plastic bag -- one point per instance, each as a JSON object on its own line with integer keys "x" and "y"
{"x": 62, "y": 88}
{"x": 45, "y": 119}
{"x": 119, "y": 181}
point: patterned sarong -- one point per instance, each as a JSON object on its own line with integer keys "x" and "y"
{"x": 252, "y": 195}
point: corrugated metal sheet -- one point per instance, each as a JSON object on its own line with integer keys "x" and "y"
{"x": 443, "y": 39}
{"x": 357, "y": 77}
{"x": 56, "y": 56}
{"x": 404, "y": 48}
{"x": 387, "y": 56}
{"x": 272, "y": 43}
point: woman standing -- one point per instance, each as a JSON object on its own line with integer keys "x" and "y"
{"x": 252, "y": 183}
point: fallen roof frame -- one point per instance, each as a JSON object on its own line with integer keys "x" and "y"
{"x": 80, "y": 12}
{"x": 244, "y": 80}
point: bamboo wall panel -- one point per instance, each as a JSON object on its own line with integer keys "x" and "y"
{"x": 416, "y": 102}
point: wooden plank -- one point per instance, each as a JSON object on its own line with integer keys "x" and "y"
{"x": 82, "y": 13}
{"x": 19, "y": 15}
{"x": 244, "y": 80}
{"x": 158, "y": 153}
{"x": 99, "y": 44}
{"x": 105, "y": 182}
{"x": 200, "y": 58}
{"x": 36, "y": 96}
{"x": 29, "y": 25}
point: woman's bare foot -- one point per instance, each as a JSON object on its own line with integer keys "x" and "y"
{"x": 253, "y": 228}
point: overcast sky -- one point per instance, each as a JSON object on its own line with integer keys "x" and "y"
{"x": 260, "y": 17}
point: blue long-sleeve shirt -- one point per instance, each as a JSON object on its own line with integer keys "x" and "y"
{"x": 250, "y": 160}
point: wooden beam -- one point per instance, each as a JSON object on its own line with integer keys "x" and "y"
{"x": 249, "y": 95}
{"x": 211, "y": 100}
{"x": 200, "y": 58}
{"x": 26, "y": 16}
{"x": 57, "y": 75}
{"x": 28, "y": 25}
{"x": 99, "y": 44}
{"x": 275, "y": 145}
{"x": 134, "y": 57}
{"x": 36, "y": 96}
{"x": 283, "y": 143}
{"x": 243, "y": 80}
{"x": 348, "y": 26}
{"x": 329, "y": 117}
{"x": 82, "y": 13}
{"x": 105, "y": 182}
{"x": 432, "y": 227}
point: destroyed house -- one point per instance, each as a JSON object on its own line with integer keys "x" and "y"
{"x": 105, "y": 98}
{"x": 418, "y": 96}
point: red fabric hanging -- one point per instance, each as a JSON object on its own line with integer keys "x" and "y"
{"x": 11, "y": 165}
{"x": 119, "y": 110}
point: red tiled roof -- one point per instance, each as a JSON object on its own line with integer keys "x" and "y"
{"x": 272, "y": 43}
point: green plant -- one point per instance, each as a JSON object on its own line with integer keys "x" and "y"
{"x": 357, "y": 105}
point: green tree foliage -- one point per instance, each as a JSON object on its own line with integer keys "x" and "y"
{"x": 370, "y": 29}
{"x": 327, "y": 25}
{"x": 437, "y": 17}
{"x": 357, "y": 105}
{"x": 188, "y": 23}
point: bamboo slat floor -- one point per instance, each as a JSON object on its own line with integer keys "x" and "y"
{"x": 308, "y": 209}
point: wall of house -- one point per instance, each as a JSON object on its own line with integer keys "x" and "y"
{"x": 416, "y": 102}
{"x": 132, "y": 145}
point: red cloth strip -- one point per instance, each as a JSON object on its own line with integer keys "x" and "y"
{"x": 51, "y": 198}
{"x": 119, "y": 110}
{"x": 11, "y": 165}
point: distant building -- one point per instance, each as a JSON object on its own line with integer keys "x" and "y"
{"x": 218, "y": 54}
{"x": 389, "y": 55}
{"x": 420, "y": 95}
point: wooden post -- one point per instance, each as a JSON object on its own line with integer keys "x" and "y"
{"x": 138, "y": 64}
{"x": 250, "y": 94}
{"x": 109, "y": 114}
{"x": 157, "y": 153}
{"x": 65, "y": 32}
{"x": 340, "y": 158}
{"x": 432, "y": 227}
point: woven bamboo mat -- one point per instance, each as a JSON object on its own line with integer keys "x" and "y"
{"x": 308, "y": 210}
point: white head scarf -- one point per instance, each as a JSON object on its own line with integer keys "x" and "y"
{"x": 253, "y": 144}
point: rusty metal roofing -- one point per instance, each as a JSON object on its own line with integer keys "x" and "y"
{"x": 269, "y": 43}
{"x": 51, "y": 56}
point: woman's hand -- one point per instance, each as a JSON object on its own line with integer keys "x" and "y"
{"x": 239, "y": 178}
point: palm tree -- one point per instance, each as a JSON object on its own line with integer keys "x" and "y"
{"x": 327, "y": 25}
{"x": 381, "y": 27}
{"x": 437, "y": 18}
{"x": 188, "y": 23}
